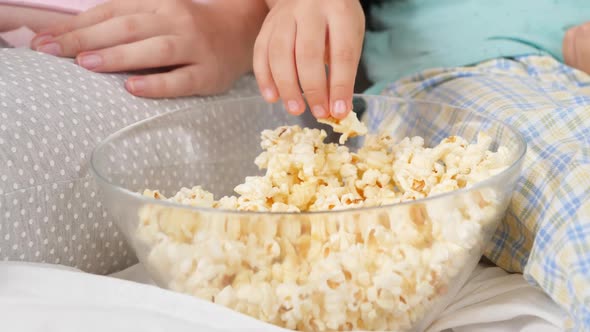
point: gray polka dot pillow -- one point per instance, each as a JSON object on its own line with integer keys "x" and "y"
{"x": 52, "y": 114}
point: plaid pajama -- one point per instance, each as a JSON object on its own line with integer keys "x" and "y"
{"x": 546, "y": 233}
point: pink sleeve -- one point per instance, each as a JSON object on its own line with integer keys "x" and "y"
{"x": 22, "y": 37}
{"x": 19, "y": 37}
{"x": 66, "y": 6}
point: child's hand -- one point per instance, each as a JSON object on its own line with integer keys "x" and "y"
{"x": 576, "y": 47}
{"x": 296, "y": 40}
{"x": 208, "y": 44}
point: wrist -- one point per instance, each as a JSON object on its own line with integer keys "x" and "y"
{"x": 271, "y": 3}
{"x": 241, "y": 21}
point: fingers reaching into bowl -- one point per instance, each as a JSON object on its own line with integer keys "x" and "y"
{"x": 297, "y": 40}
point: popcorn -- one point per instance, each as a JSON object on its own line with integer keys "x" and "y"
{"x": 371, "y": 269}
{"x": 348, "y": 127}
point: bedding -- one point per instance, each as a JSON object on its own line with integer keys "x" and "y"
{"x": 69, "y": 6}
{"x": 20, "y": 18}
{"x": 54, "y": 298}
{"x": 546, "y": 231}
{"x": 52, "y": 114}
{"x": 423, "y": 34}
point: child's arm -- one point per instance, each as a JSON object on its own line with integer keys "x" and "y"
{"x": 295, "y": 42}
{"x": 210, "y": 43}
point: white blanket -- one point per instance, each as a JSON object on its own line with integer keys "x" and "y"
{"x": 36, "y": 297}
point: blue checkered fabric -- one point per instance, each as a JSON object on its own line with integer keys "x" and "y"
{"x": 546, "y": 233}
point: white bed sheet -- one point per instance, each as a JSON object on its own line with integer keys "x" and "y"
{"x": 38, "y": 297}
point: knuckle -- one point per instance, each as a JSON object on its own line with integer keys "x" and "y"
{"x": 340, "y": 88}
{"x": 66, "y": 27}
{"x": 186, "y": 83}
{"x": 285, "y": 85}
{"x": 105, "y": 14}
{"x": 131, "y": 26}
{"x": 279, "y": 46}
{"x": 159, "y": 84}
{"x": 115, "y": 56}
{"x": 344, "y": 54}
{"x": 75, "y": 42}
{"x": 308, "y": 51}
{"x": 288, "y": 90}
{"x": 314, "y": 93}
{"x": 339, "y": 7}
{"x": 166, "y": 48}
{"x": 274, "y": 54}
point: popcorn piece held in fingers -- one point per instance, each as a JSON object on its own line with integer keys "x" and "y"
{"x": 348, "y": 127}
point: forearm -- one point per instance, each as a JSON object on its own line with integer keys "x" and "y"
{"x": 271, "y": 3}
{"x": 256, "y": 10}
{"x": 243, "y": 18}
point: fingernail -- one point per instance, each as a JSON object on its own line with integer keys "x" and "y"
{"x": 293, "y": 106}
{"x": 339, "y": 108}
{"x": 90, "y": 61}
{"x": 40, "y": 39}
{"x": 136, "y": 85}
{"x": 51, "y": 48}
{"x": 319, "y": 112}
{"x": 268, "y": 94}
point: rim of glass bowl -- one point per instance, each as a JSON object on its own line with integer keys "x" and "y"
{"x": 521, "y": 151}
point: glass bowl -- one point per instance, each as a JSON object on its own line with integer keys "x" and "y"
{"x": 391, "y": 267}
